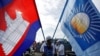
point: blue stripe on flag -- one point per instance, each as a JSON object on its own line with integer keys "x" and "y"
{"x": 4, "y": 3}
{"x": 30, "y": 38}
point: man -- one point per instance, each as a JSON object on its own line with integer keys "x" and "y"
{"x": 47, "y": 47}
{"x": 60, "y": 48}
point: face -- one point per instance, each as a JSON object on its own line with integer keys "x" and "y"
{"x": 58, "y": 43}
{"x": 49, "y": 42}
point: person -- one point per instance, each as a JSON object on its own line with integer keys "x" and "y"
{"x": 33, "y": 48}
{"x": 47, "y": 48}
{"x": 27, "y": 52}
{"x": 56, "y": 48}
{"x": 60, "y": 48}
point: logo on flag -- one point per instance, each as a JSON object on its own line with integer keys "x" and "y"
{"x": 84, "y": 23}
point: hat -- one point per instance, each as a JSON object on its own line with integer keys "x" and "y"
{"x": 59, "y": 40}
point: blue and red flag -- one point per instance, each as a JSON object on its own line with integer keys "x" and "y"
{"x": 81, "y": 24}
{"x": 19, "y": 22}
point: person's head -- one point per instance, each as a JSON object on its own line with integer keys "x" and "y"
{"x": 48, "y": 40}
{"x": 59, "y": 42}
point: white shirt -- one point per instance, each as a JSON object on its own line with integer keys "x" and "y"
{"x": 61, "y": 49}
{"x": 44, "y": 44}
{"x": 56, "y": 47}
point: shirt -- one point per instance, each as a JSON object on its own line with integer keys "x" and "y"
{"x": 44, "y": 44}
{"x": 61, "y": 50}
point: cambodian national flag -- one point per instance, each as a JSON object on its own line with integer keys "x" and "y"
{"x": 81, "y": 24}
{"x": 19, "y": 22}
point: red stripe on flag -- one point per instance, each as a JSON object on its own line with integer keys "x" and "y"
{"x": 27, "y": 7}
{"x": 1, "y": 51}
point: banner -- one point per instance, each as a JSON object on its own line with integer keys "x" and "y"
{"x": 81, "y": 24}
{"x": 19, "y": 22}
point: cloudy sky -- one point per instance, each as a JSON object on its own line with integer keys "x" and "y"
{"x": 49, "y": 12}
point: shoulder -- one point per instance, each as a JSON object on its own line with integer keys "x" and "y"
{"x": 61, "y": 45}
{"x": 44, "y": 44}
{"x": 53, "y": 44}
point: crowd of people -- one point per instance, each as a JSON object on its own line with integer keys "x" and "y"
{"x": 47, "y": 48}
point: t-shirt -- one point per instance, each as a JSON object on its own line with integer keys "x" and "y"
{"x": 44, "y": 44}
{"x": 61, "y": 50}
{"x": 48, "y": 51}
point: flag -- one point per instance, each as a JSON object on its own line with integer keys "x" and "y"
{"x": 81, "y": 24}
{"x": 19, "y": 22}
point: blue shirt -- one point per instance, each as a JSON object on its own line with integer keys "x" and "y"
{"x": 48, "y": 51}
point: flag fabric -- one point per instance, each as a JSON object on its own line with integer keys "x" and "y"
{"x": 81, "y": 24}
{"x": 19, "y": 22}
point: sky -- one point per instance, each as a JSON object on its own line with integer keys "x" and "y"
{"x": 97, "y": 3}
{"x": 49, "y": 13}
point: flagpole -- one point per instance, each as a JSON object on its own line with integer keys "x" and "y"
{"x": 40, "y": 24}
{"x": 42, "y": 32}
{"x": 60, "y": 19}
